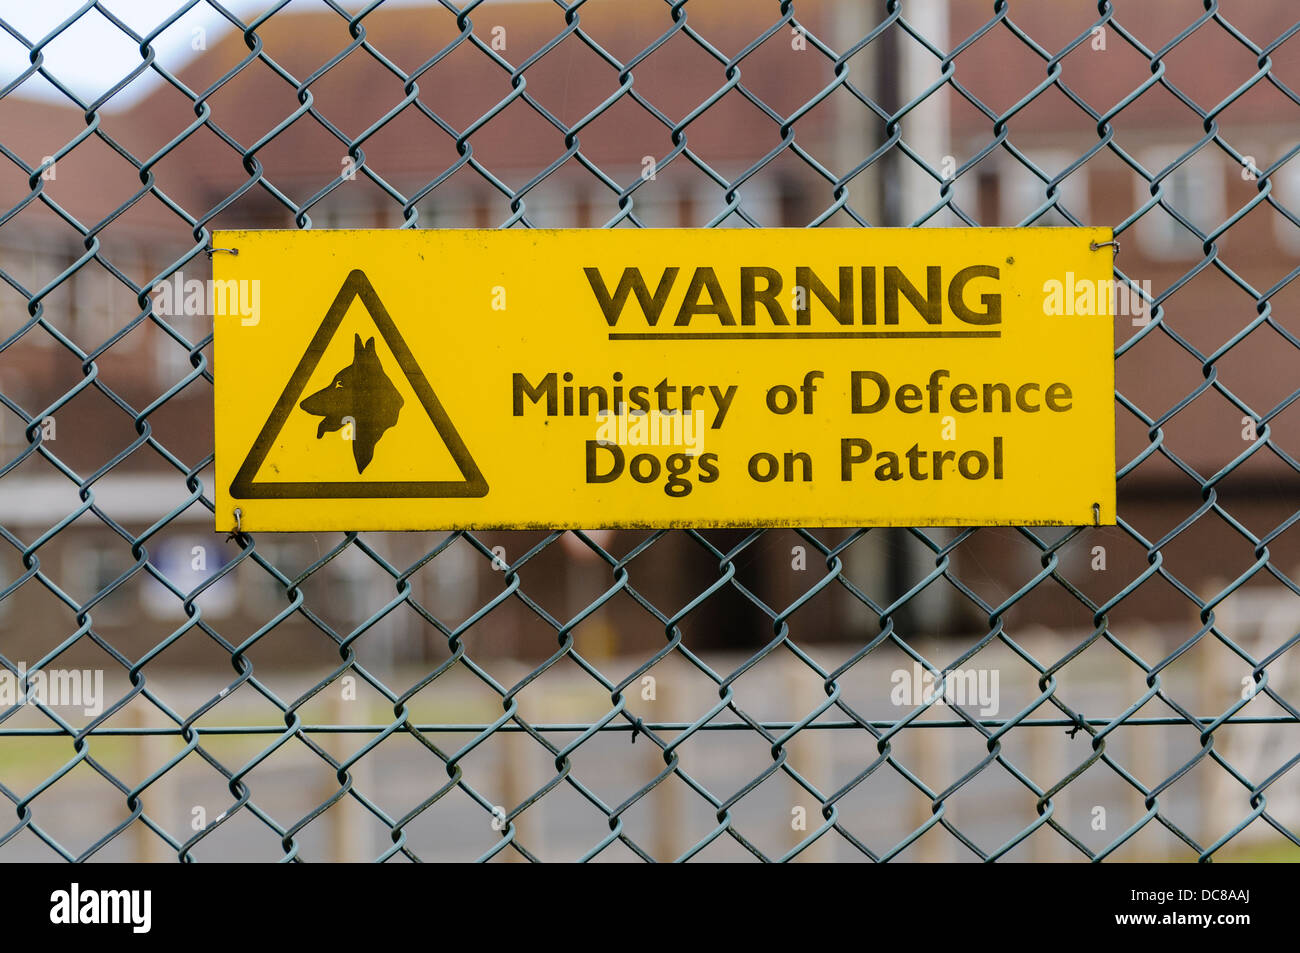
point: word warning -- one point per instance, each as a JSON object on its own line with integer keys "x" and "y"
{"x": 448, "y": 379}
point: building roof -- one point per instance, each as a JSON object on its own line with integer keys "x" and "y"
{"x": 1207, "y": 66}
{"x": 460, "y": 85}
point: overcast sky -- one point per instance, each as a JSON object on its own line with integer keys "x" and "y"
{"x": 93, "y": 54}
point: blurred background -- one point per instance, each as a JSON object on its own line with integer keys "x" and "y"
{"x": 828, "y": 113}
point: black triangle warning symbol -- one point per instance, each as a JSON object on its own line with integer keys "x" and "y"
{"x": 472, "y": 484}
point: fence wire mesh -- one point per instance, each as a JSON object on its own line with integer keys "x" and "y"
{"x": 781, "y": 720}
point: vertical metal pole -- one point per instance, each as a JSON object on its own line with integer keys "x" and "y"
{"x": 150, "y": 752}
{"x": 348, "y": 837}
{"x": 666, "y": 797}
{"x": 812, "y": 756}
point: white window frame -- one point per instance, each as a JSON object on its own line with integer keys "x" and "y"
{"x": 258, "y": 595}
{"x": 40, "y": 250}
{"x": 218, "y": 600}
{"x": 89, "y": 562}
{"x": 759, "y": 199}
{"x": 93, "y": 289}
{"x": 1020, "y": 190}
{"x": 1160, "y": 234}
{"x": 171, "y": 361}
{"x": 552, "y": 206}
{"x": 655, "y": 204}
{"x": 1286, "y": 186}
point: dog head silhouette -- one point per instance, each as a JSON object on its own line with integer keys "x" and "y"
{"x": 361, "y": 393}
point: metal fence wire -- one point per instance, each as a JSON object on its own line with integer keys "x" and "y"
{"x": 578, "y": 755}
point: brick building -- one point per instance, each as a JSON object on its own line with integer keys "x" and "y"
{"x": 466, "y": 142}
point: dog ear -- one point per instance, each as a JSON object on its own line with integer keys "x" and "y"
{"x": 370, "y": 345}
{"x": 357, "y": 346}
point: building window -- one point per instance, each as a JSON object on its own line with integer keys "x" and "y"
{"x": 656, "y": 203}
{"x": 1286, "y": 192}
{"x": 334, "y": 211}
{"x": 447, "y": 207}
{"x": 450, "y": 582}
{"x": 94, "y": 290}
{"x": 188, "y": 562}
{"x": 7, "y": 603}
{"x": 93, "y": 567}
{"x": 261, "y": 593}
{"x": 757, "y": 199}
{"x": 13, "y": 306}
{"x": 1020, "y": 190}
{"x": 32, "y": 266}
{"x": 1195, "y": 189}
{"x": 171, "y": 359}
{"x": 13, "y": 435}
{"x": 50, "y": 261}
{"x": 551, "y": 206}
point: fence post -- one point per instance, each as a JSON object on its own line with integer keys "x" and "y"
{"x": 150, "y": 752}
{"x": 515, "y": 781}
{"x": 1148, "y": 751}
{"x": 666, "y": 797}
{"x": 1047, "y": 762}
{"x": 1210, "y": 703}
{"x": 811, "y": 756}
{"x": 930, "y": 761}
{"x": 349, "y": 839}
{"x": 933, "y": 761}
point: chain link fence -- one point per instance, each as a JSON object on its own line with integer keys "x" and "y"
{"x": 666, "y": 695}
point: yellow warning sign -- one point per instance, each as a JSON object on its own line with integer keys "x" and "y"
{"x": 437, "y": 379}
{"x": 362, "y": 403}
